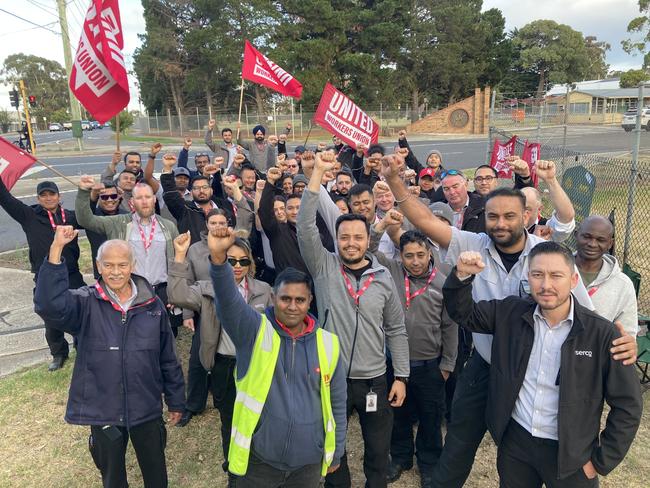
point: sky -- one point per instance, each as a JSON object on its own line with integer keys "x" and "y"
{"x": 605, "y": 19}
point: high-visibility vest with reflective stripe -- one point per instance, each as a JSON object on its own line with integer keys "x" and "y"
{"x": 254, "y": 387}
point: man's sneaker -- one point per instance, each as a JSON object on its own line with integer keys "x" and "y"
{"x": 395, "y": 470}
{"x": 57, "y": 363}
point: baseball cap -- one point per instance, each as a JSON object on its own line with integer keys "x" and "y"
{"x": 181, "y": 172}
{"x": 300, "y": 149}
{"x": 442, "y": 209}
{"x": 430, "y": 172}
{"x": 46, "y": 186}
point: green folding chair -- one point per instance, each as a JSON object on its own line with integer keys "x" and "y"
{"x": 643, "y": 358}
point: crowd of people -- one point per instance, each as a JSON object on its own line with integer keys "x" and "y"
{"x": 319, "y": 283}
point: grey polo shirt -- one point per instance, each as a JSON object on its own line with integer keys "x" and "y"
{"x": 150, "y": 263}
{"x": 494, "y": 282}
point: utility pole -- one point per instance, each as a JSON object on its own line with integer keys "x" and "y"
{"x": 75, "y": 110}
{"x": 30, "y": 134}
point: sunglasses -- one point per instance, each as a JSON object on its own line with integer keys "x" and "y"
{"x": 450, "y": 172}
{"x": 243, "y": 262}
{"x": 201, "y": 155}
{"x": 114, "y": 196}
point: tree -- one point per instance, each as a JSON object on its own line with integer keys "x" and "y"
{"x": 5, "y": 120}
{"x": 597, "y": 51}
{"x": 126, "y": 121}
{"x": 632, "y": 78}
{"x": 556, "y": 52}
{"x": 44, "y": 78}
{"x": 641, "y": 27}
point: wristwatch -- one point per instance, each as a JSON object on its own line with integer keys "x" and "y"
{"x": 403, "y": 379}
{"x": 152, "y": 156}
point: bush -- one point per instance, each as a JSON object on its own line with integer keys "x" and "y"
{"x": 126, "y": 121}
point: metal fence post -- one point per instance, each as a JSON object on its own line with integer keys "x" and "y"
{"x": 157, "y": 124}
{"x": 633, "y": 175}
{"x": 169, "y": 120}
{"x": 301, "y": 120}
{"x": 293, "y": 123}
{"x": 488, "y": 148}
{"x": 566, "y": 122}
{"x": 198, "y": 125}
{"x": 539, "y": 122}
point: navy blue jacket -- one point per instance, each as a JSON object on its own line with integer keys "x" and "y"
{"x": 125, "y": 362}
{"x": 290, "y": 432}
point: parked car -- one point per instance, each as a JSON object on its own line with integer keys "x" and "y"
{"x": 55, "y": 127}
{"x": 96, "y": 125}
{"x": 629, "y": 119}
{"x": 86, "y": 125}
{"x": 107, "y": 125}
{"x": 67, "y": 125}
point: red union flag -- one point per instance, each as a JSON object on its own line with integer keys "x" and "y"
{"x": 13, "y": 162}
{"x": 531, "y": 153}
{"x": 499, "y": 159}
{"x": 339, "y": 115}
{"x": 260, "y": 69}
{"x": 98, "y": 77}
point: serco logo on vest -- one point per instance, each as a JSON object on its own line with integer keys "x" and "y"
{"x": 584, "y": 353}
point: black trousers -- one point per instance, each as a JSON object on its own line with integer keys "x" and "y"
{"x": 376, "y": 428}
{"x": 262, "y": 475}
{"x": 56, "y": 338}
{"x": 224, "y": 392}
{"x": 524, "y": 461}
{"x": 108, "y": 449}
{"x": 175, "y": 321}
{"x": 464, "y": 350}
{"x": 197, "y": 376}
{"x": 467, "y": 427}
{"x": 425, "y": 402}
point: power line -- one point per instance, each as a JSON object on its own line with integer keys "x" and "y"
{"x": 30, "y": 22}
{"x": 43, "y": 8}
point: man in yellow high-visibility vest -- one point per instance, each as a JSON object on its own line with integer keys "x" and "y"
{"x": 289, "y": 419}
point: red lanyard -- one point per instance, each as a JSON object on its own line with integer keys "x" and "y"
{"x": 234, "y": 208}
{"x": 245, "y": 289}
{"x": 592, "y": 291}
{"x": 348, "y": 284}
{"x": 131, "y": 206}
{"x": 459, "y": 223}
{"x": 407, "y": 286}
{"x": 102, "y": 294}
{"x": 51, "y": 216}
{"x": 146, "y": 244}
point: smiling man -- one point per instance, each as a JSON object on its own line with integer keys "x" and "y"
{"x": 357, "y": 300}
{"x": 551, "y": 373}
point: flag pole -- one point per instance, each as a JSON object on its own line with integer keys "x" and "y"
{"x": 117, "y": 130}
{"x": 241, "y": 103}
{"x": 308, "y": 133}
{"x": 57, "y": 172}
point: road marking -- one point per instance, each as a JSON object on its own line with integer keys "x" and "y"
{"x": 34, "y": 170}
{"x": 434, "y": 143}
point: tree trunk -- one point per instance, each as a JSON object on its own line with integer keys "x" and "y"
{"x": 260, "y": 102}
{"x": 415, "y": 103}
{"x": 209, "y": 101}
{"x": 540, "y": 85}
{"x": 177, "y": 98}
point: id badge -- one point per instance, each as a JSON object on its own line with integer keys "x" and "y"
{"x": 371, "y": 402}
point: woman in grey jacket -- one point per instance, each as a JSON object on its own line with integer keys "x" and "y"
{"x": 217, "y": 352}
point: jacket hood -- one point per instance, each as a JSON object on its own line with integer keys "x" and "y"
{"x": 270, "y": 314}
{"x": 609, "y": 270}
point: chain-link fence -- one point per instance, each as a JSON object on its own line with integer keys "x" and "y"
{"x": 614, "y": 183}
{"x": 193, "y": 123}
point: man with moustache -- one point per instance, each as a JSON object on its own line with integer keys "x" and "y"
{"x": 357, "y": 300}
{"x": 261, "y": 152}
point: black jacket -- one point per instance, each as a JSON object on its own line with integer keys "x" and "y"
{"x": 37, "y": 227}
{"x": 187, "y": 214}
{"x": 282, "y": 236}
{"x": 588, "y": 376}
{"x": 125, "y": 362}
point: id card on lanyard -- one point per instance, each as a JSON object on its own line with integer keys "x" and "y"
{"x": 356, "y": 295}
{"x": 407, "y": 287}
{"x": 145, "y": 243}
{"x": 51, "y": 216}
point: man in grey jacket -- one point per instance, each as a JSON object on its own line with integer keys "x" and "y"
{"x": 358, "y": 301}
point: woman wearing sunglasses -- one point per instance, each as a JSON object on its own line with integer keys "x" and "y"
{"x": 216, "y": 350}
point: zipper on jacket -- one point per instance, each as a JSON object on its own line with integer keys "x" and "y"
{"x": 290, "y": 373}
{"x": 124, "y": 383}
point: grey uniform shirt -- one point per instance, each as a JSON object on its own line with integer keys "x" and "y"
{"x": 537, "y": 405}
{"x": 151, "y": 263}
{"x": 494, "y": 282}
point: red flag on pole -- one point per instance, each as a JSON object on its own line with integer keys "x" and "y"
{"x": 260, "y": 69}
{"x": 531, "y": 153}
{"x": 339, "y": 115}
{"x": 98, "y": 77}
{"x": 500, "y": 153}
{"x": 13, "y": 162}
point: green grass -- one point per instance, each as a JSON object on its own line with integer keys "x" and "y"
{"x": 19, "y": 259}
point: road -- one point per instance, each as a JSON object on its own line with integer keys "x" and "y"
{"x": 457, "y": 153}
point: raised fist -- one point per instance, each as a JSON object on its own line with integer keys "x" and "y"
{"x": 155, "y": 148}
{"x": 469, "y": 263}
{"x": 273, "y": 140}
{"x": 393, "y": 217}
{"x": 401, "y": 135}
{"x": 169, "y": 160}
{"x": 187, "y": 143}
{"x": 117, "y": 157}
{"x": 182, "y": 243}
{"x": 218, "y": 160}
{"x": 414, "y": 190}
{"x": 545, "y": 169}
{"x": 86, "y": 182}
{"x": 238, "y": 160}
{"x": 63, "y": 235}
{"x": 325, "y": 161}
{"x": 273, "y": 175}
{"x": 259, "y": 185}
{"x": 219, "y": 241}
{"x": 211, "y": 124}
{"x": 283, "y": 138}
{"x": 361, "y": 149}
{"x": 210, "y": 169}
{"x": 518, "y": 166}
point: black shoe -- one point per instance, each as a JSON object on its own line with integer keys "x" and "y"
{"x": 185, "y": 419}
{"x": 395, "y": 471}
{"x": 57, "y": 363}
{"x": 426, "y": 480}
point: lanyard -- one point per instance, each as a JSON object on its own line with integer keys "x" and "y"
{"x": 102, "y": 294}
{"x": 51, "y": 216}
{"x": 146, "y": 244}
{"x": 348, "y": 284}
{"x": 407, "y": 286}
{"x": 592, "y": 291}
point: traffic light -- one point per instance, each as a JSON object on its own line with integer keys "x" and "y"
{"x": 32, "y": 100}
{"x": 13, "y": 98}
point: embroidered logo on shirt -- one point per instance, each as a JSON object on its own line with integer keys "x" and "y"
{"x": 584, "y": 353}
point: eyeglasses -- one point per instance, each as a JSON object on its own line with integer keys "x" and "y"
{"x": 484, "y": 179}
{"x": 114, "y": 196}
{"x": 450, "y": 172}
{"x": 201, "y": 188}
{"x": 243, "y": 262}
{"x": 201, "y": 155}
